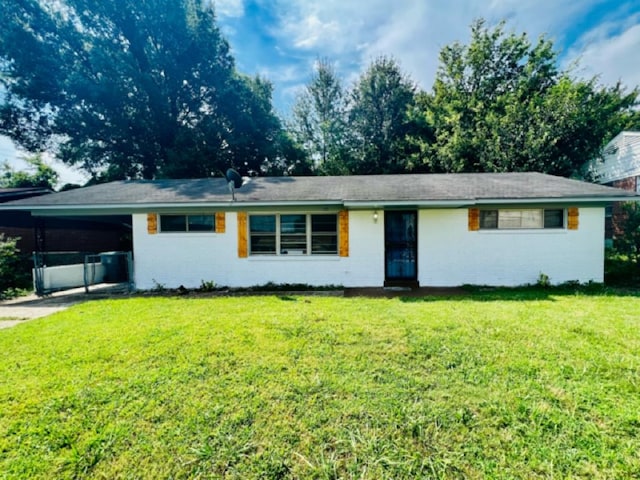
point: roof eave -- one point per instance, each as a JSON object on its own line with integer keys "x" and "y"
{"x": 119, "y": 209}
{"x": 567, "y": 200}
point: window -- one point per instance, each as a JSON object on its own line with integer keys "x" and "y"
{"x": 293, "y": 234}
{"x": 187, "y": 223}
{"x": 262, "y": 230}
{"x": 520, "y": 219}
{"x": 324, "y": 235}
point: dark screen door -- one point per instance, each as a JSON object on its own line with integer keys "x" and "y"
{"x": 401, "y": 246}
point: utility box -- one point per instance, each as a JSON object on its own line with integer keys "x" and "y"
{"x": 115, "y": 266}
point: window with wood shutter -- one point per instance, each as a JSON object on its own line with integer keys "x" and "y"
{"x": 293, "y": 234}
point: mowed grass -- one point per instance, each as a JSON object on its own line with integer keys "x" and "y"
{"x": 510, "y": 385}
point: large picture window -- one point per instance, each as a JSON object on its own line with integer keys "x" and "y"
{"x": 293, "y": 234}
{"x": 187, "y": 223}
{"x": 509, "y": 219}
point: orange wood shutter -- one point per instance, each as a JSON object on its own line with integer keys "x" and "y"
{"x": 343, "y": 228}
{"x": 573, "y": 215}
{"x": 243, "y": 250}
{"x": 220, "y": 222}
{"x": 152, "y": 223}
{"x": 474, "y": 219}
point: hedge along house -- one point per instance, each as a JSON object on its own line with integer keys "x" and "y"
{"x": 366, "y": 231}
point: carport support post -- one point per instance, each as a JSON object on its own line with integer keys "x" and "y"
{"x": 38, "y": 281}
{"x": 130, "y": 271}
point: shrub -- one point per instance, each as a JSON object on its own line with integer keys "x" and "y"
{"x": 620, "y": 269}
{"x": 622, "y": 262}
{"x": 15, "y": 271}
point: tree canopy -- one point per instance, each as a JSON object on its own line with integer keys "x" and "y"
{"x": 380, "y": 102}
{"x": 129, "y": 89}
{"x": 501, "y": 104}
{"x": 361, "y": 130}
{"x": 319, "y": 121}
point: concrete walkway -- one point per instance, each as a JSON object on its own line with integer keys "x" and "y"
{"x": 18, "y": 310}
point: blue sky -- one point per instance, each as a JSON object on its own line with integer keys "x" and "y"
{"x": 281, "y": 39}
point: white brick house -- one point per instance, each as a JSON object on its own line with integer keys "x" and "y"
{"x": 355, "y": 231}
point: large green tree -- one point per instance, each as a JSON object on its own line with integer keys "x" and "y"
{"x": 501, "y": 103}
{"x": 379, "y": 119}
{"x": 129, "y": 89}
{"x": 37, "y": 174}
{"x": 319, "y": 122}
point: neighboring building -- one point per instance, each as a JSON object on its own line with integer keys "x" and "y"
{"x": 355, "y": 231}
{"x": 619, "y": 167}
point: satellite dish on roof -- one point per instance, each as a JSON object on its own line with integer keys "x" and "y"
{"x": 234, "y": 180}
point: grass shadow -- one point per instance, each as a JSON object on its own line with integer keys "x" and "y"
{"x": 287, "y": 298}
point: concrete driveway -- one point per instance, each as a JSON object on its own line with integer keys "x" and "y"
{"x": 21, "y": 309}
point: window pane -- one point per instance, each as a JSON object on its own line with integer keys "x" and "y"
{"x": 201, "y": 223}
{"x": 324, "y": 244}
{"x": 520, "y": 219}
{"x": 531, "y": 219}
{"x": 293, "y": 244}
{"x": 262, "y": 223}
{"x": 324, "y": 237}
{"x": 293, "y": 224}
{"x": 554, "y": 218}
{"x": 488, "y": 219}
{"x": 263, "y": 243}
{"x": 173, "y": 223}
{"x": 262, "y": 234}
{"x": 324, "y": 223}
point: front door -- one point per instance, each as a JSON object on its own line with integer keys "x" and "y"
{"x": 401, "y": 247}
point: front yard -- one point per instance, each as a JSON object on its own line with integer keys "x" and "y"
{"x": 509, "y": 385}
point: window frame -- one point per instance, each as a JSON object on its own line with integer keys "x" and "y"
{"x": 187, "y": 223}
{"x": 310, "y": 236}
{"x": 498, "y": 226}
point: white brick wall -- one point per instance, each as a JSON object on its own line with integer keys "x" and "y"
{"x": 452, "y": 255}
{"x": 174, "y": 259}
{"x": 448, "y": 255}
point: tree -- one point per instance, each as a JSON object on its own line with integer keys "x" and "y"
{"x": 131, "y": 89}
{"x": 380, "y": 121}
{"x": 41, "y": 175}
{"x": 319, "y": 120}
{"x": 500, "y": 103}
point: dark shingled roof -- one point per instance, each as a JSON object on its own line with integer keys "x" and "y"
{"x": 464, "y": 187}
{"x": 10, "y": 194}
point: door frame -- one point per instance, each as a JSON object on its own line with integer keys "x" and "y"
{"x": 401, "y": 282}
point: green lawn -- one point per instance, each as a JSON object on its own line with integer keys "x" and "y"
{"x": 507, "y": 385}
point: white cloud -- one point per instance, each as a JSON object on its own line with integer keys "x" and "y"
{"x": 313, "y": 32}
{"x": 229, "y": 8}
{"x": 613, "y": 56}
{"x": 354, "y": 32}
